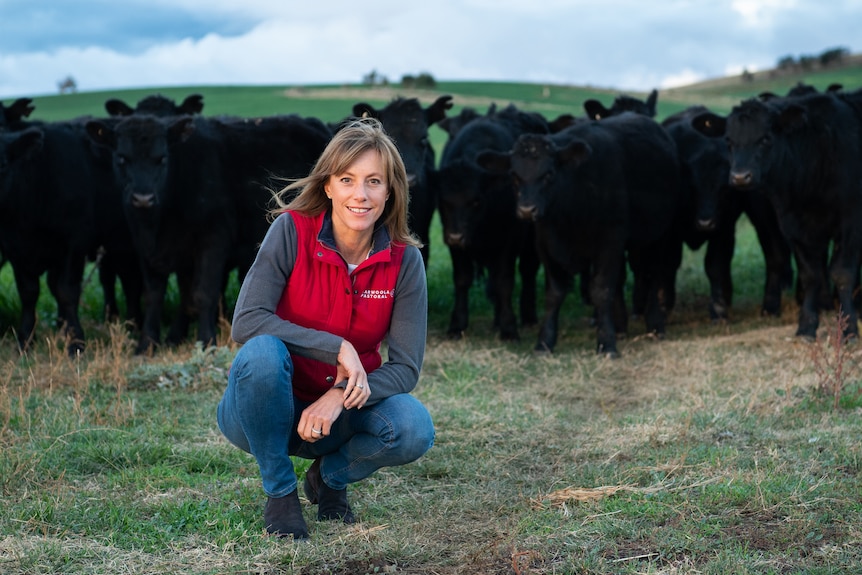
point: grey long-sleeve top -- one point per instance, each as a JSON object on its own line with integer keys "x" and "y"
{"x": 264, "y": 285}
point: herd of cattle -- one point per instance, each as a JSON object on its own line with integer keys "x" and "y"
{"x": 160, "y": 189}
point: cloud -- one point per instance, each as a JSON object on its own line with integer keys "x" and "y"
{"x": 627, "y": 45}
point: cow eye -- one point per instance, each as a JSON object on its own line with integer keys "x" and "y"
{"x": 121, "y": 160}
{"x": 163, "y": 160}
{"x": 765, "y": 140}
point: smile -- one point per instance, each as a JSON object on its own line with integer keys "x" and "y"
{"x": 359, "y": 210}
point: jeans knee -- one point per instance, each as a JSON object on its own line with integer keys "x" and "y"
{"x": 263, "y": 359}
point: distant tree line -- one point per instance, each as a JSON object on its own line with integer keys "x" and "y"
{"x": 423, "y": 80}
{"x": 805, "y": 62}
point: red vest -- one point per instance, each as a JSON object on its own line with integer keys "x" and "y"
{"x": 321, "y": 294}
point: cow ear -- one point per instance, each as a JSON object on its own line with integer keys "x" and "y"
{"x": 25, "y": 145}
{"x": 596, "y": 110}
{"x": 180, "y": 130}
{"x": 766, "y": 96}
{"x": 651, "y": 101}
{"x": 21, "y": 108}
{"x": 791, "y": 118}
{"x": 193, "y": 104}
{"x": 709, "y": 124}
{"x": 561, "y": 122}
{"x": 363, "y": 110}
{"x": 101, "y": 134}
{"x": 495, "y": 162}
{"x": 576, "y": 151}
{"x": 117, "y": 107}
{"x": 437, "y": 111}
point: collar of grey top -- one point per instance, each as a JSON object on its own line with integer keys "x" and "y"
{"x": 379, "y": 241}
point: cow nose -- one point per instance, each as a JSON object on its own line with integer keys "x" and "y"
{"x": 143, "y": 200}
{"x": 741, "y": 179}
{"x": 707, "y": 225}
{"x": 527, "y": 212}
{"x": 455, "y": 239}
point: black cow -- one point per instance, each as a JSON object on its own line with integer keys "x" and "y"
{"x": 597, "y": 190}
{"x": 480, "y": 226}
{"x": 180, "y": 212}
{"x": 623, "y": 103}
{"x": 804, "y": 152}
{"x": 48, "y": 180}
{"x": 711, "y": 210}
{"x": 265, "y": 153}
{"x": 118, "y": 256}
{"x": 407, "y": 122}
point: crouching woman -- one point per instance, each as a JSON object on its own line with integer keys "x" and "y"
{"x": 337, "y": 274}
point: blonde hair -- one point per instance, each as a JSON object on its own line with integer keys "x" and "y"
{"x": 307, "y": 195}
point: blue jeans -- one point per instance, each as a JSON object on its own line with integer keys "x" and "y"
{"x": 259, "y": 414}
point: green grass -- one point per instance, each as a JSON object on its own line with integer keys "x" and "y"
{"x": 718, "y": 450}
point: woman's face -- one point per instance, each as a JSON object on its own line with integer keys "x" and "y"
{"x": 358, "y": 195}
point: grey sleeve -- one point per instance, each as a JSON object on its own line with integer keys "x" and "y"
{"x": 261, "y": 291}
{"x": 407, "y": 332}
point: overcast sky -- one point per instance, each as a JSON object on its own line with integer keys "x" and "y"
{"x": 633, "y": 45}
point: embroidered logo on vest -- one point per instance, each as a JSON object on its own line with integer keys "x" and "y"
{"x": 378, "y": 294}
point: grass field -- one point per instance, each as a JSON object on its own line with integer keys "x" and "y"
{"x": 725, "y": 448}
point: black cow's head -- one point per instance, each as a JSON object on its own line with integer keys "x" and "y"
{"x": 705, "y": 163}
{"x": 472, "y": 203}
{"x": 140, "y": 147}
{"x": 751, "y": 130}
{"x": 623, "y": 103}
{"x": 157, "y": 105}
{"x": 533, "y": 164}
{"x": 407, "y": 122}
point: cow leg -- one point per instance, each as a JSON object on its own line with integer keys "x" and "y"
{"x": 844, "y": 273}
{"x": 776, "y": 254}
{"x": 809, "y": 261}
{"x": 132, "y": 284}
{"x": 179, "y": 329}
{"x": 108, "y": 281}
{"x": 155, "y": 286}
{"x": 716, "y": 265}
{"x": 502, "y": 274}
{"x": 557, "y": 283}
{"x": 604, "y": 285}
{"x": 528, "y": 268}
{"x": 28, "y": 290}
{"x": 207, "y": 295}
{"x": 462, "y": 277}
{"x": 65, "y": 285}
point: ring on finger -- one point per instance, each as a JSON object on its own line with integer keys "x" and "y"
{"x": 317, "y": 431}
{"x": 360, "y": 386}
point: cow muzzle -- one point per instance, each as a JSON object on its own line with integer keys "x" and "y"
{"x": 742, "y": 179}
{"x": 143, "y": 201}
{"x": 529, "y": 213}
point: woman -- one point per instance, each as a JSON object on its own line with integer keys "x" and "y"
{"x": 337, "y": 273}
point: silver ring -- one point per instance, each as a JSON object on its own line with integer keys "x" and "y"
{"x": 318, "y": 431}
{"x": 360, "y": 386}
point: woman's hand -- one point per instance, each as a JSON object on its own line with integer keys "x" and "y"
{"x": 316, "y": 420}
{"x": 350, "y": 368}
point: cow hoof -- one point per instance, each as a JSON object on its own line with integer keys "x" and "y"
{"x": 542, "y": 349}
{"x": 608, "y": 353}
{"x": 806, "y": 338}
{"x": 454, "y": 335}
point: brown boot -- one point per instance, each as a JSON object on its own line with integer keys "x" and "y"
{"x": 282, "y": 516}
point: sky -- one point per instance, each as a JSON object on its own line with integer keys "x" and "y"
{"x": 627, "y": 45}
